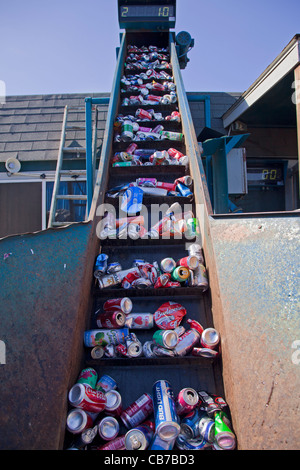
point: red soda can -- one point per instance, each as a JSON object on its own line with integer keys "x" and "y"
{"x": 162, "y": 280}
{"x": 186, "y": 180}
{"x": 210, "y": 338}
{"x": 121, "y": 349}
{"x": 127, "y": 280}
{"x": 173, "y": 284}
{"x": 168, "y": 186}
{"x": 190, "y": 262}
{"x": 116, "y": 444}
{"x": 124, "y": 305}
{"x": 81, "y": 396}
{"x": 154, "y": 98}
{"x": 175, "y": 153}
{"x": 111, "y": 319}
{"x": 143, "y": 114}
{"x": 187, "y": 400}
{"x": 195, "y": 325}
{"x": 138, "y": 411}
{"x": 158, "y": 86}
{"x": 78, "y": 420}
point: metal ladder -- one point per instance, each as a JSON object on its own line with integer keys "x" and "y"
{"x": 59, "y": 172}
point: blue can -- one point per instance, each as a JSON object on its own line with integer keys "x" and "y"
{"x": 193, "y": 444}
{"x": 106, "y": 383}
{"x": 100, "y": 265}
{"x": 166, "y": 419}
{"x": 159, "y": 444}
{"x": 190, "y": 425}
{"x": 184, "y": 190}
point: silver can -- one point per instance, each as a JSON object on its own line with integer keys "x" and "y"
{"x": 168, "y": 265}
{"x": 108, "y": 428}
{"x": 165, "y": 338}
{"x": 186, "y": 342}
{"x": 196, "y": 250}
{"x": 148, "y": 349}
{"x": 200, "y": 278}
{"x": 134, "y": 346}
{"x": 97, "y": 352}
{"x": 78, "y": 420}
{"x": 113, "y": 405}
{"x": 210, "y": 338}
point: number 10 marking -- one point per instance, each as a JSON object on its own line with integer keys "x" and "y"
{"x": 163, "y": 11}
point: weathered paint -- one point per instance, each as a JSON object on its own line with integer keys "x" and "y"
{"x": 43, "y": 291}
{"x": 257, "y": 262}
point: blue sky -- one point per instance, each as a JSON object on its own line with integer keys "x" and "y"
{"x": 69, "y": 46}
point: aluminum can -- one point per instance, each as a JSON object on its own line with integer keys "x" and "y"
{"x": 206, "y": 426}
{"x": 186, "y": 342}
{"x": 200, "y": 277}
{"x": 108, "y": 428}
{"x": 132, "y": 148}
{"x": 165, "y": 338}
{"x": 123, "y": 304}
{"x": 78, "y": 420}
{"x": 113, "y": 268}
{"x": 180, "y": 330}
{"x": 129, "y": 278}
{"x": 196, "y": 250}
{"x": 103, "y": 337}
{"x": 110, "y": 350}
{"x": 127, "y": 131}
{"x": 205, "y": 352}
{"x": 186, "y": 401}
{"x": 173, "y": 284}
{"x": 168, "y": 265}
{"x": 121, "y": 350}
{"x": 166, "y": 419}
{"x": 143, "y": 114}
{"x": 184, "y": 190}
{"x": 162, "y": 280}
{"x": 160, "y": 351}
{"x": 195, "y": 325}
{"x": 81, "y": 396}
{"x": 138, "y": 411}
{"x": 110, "y": 319}
{"x": 180, "y": 274}
{"x": 199, "y": 443}
{"x": 224, "y": 436}
{"x": 100, "y": 265}
{"x": 115, "y": 444}
{"x": 87, "y": 436}
{"x": 97, "y": 352}
{"x": 190, "y": 262}
{"x": 138, "y": 438}
{"x": 88, "y": 377}
{"x": 210, "y": 338}
{"x": 106, "y": 383}
{"x": 134, "y": 346}
{"x": 113, "y": 405}
{"x": 110, "y": 280}
{"x": 148, "y": 347}
{"x": 210, "y": 404}
{"x": 139, "y": 320}
{"x": 169, "y": 315}
{"x": 160, "y": 444}
{"x": 190, "y": 425}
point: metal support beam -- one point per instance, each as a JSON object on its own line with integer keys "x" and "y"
{"x": 89, "y": 161}
{"x": 297, "y": 102}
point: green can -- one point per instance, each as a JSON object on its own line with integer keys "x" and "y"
{"x": 165, "y": 338}
{"x": 192, "y": 227}
{"x": 127, "y": 131}
{"x": 88, "y": 377}
{"x": 180, "y": 274}
{"x": 224, "y": 436}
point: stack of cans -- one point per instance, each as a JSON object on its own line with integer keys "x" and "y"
{"x": 162, "y": 420}
{"x": 186, "y": 271}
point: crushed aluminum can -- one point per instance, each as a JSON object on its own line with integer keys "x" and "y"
{"x": 134, "y": 346}
{"x": 113, "y": 268}
{"x": 205, "y": 352}
{"x": 165, "y": 338}
{"x": 160, "y": 351}
{"x": 169, "y": 315}
{"x": 121, "y": 350}
{"x": 162, "y": 280}
{"x": 186, "y": 401}
{"x": 141, "y": 283}
{"x": 97, "y": 352}
{"x": 210, "y": 338}
{"x": 110, "y": 350}
{"x": 100, "y": 265}
{"x": 148, "y": 349}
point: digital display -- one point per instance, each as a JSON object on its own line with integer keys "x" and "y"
{"x": 147, "y": 11}
{"x": 266, "y": 175}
